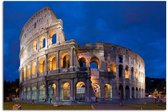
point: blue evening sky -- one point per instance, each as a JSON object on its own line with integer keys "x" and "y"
{"x": 140, "y": 26}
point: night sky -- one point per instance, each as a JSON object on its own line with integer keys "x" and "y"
{"x": 140, "y": 26}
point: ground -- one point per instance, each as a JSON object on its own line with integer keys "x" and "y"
{"x": 97, "y": 106}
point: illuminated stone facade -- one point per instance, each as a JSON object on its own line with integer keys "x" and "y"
{"x": 53, "y": 69}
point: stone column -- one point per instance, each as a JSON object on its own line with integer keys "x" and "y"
{"x": 37, "y": 65}
{"x": 123, "y": 81}
{"x": 46, "y": 65}
{"x": 87, "y": 91}
{"x": 46, "y": 91}
{"x": 124, "y": 95}
{"x": 38, "y": 93}
{"x": 20, "y": 75}
{"x": 31, "y": 93}
{"x": 38, "y": 46}
{"x": 31, "y": 71}
{"x": 102, "y": 91}
{"x": 130, "y": 88}
{"x": 58, "y": 90}
{"x": 72, "y": 59}
{"x": 46, "y": 35}
{"x": 55, "y": 91}
{"x": 58, "y": 61}
{"x": 72, "y": 89}
{"x": 114, "y": 91}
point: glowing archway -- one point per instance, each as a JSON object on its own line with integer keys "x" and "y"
{"x": 108, "y": 91}
{"x": 65, "y": 91}
{"x": 80, "y": 91}
{"x": 96, "y": 89}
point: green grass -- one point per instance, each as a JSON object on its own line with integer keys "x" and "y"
{"x": 145, "y": 106}
{"x": 28, "y": 106}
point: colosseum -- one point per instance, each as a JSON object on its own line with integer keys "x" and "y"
{"x": 53, "y": 69}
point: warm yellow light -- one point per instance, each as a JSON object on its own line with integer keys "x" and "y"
{"x": 28, "y": 71}
{"x": 35, "y": 46}
{"x": 52, "y": 63}
{"x": 34, "y": 68}
{"x": 24, "y": 72}
{"x": 113, "y": 68}
{"x": 54, "y": 86}
{"x": 66, "y": 85}
{"x": 126, "y": 74}
{"x": 80, "y": 84}
{"x": 42, "y": 66}
{"x": 41, "y": 41}
{"x": 67, "y": 61}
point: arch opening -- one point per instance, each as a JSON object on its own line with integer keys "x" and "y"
{"x": 126, "y": 72}
{"x": 41, "y": 65}
{"x": 34, "y": 71}
{"x": 65, "y": 61}
{"x": 96, "y": 89}
{"x": 42, "y": 94}
{"x": 127, "y": 92}
{"x": 54, "y": 39}
{"x": 94, "y": 63}
{"x": 120, "y": 70}
{"x": 121, "y": 92}
{"x": 108, "y": 91}
{"x": 80, "y": 91}
{"x": 65, "y": 91}
{"x": 133, "y": 96}
{"x": 82, "y": 62}
{"x": 52, "y": 63}
{"x": 34, "y": 93}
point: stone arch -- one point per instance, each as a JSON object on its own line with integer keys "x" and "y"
{"x": 65, "y": 91}
{"x": 51, "y": 91}
{"x": 113, "y": 68}
{"x": 80, "y": 91}
{"x": 139, "y": 93}
{"x": 54, "y": 39}
{"x": 42, "y": 65}
{"x": 120, "y": 70}
{"x": 24, "y": 72}
{"x": 96, "y": 89}
{"x": 108, "y": 91}
{"x": 65, "y": 60}
{"x": 34, "y": 70}
{"x": 28, "y": 71}
{"x": 126, "y": 72}
{"x": 82, "y": 62}
{"x": 24, "y": 93}
{"x": 94, "y": 63}
{"x": 42, "y": 94}
{"x": 127, "y": 92}
{"x": 121, "y": 93}
{"x": 35, "y": 45}
{"x": 28, "y": 93}
{"x": 132, "y": 73}
{"x": 42, "y": 42}
{"x": 136, "y": 92}
{"x": 52, "y": 63}
{"x": 34, "y": 93}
